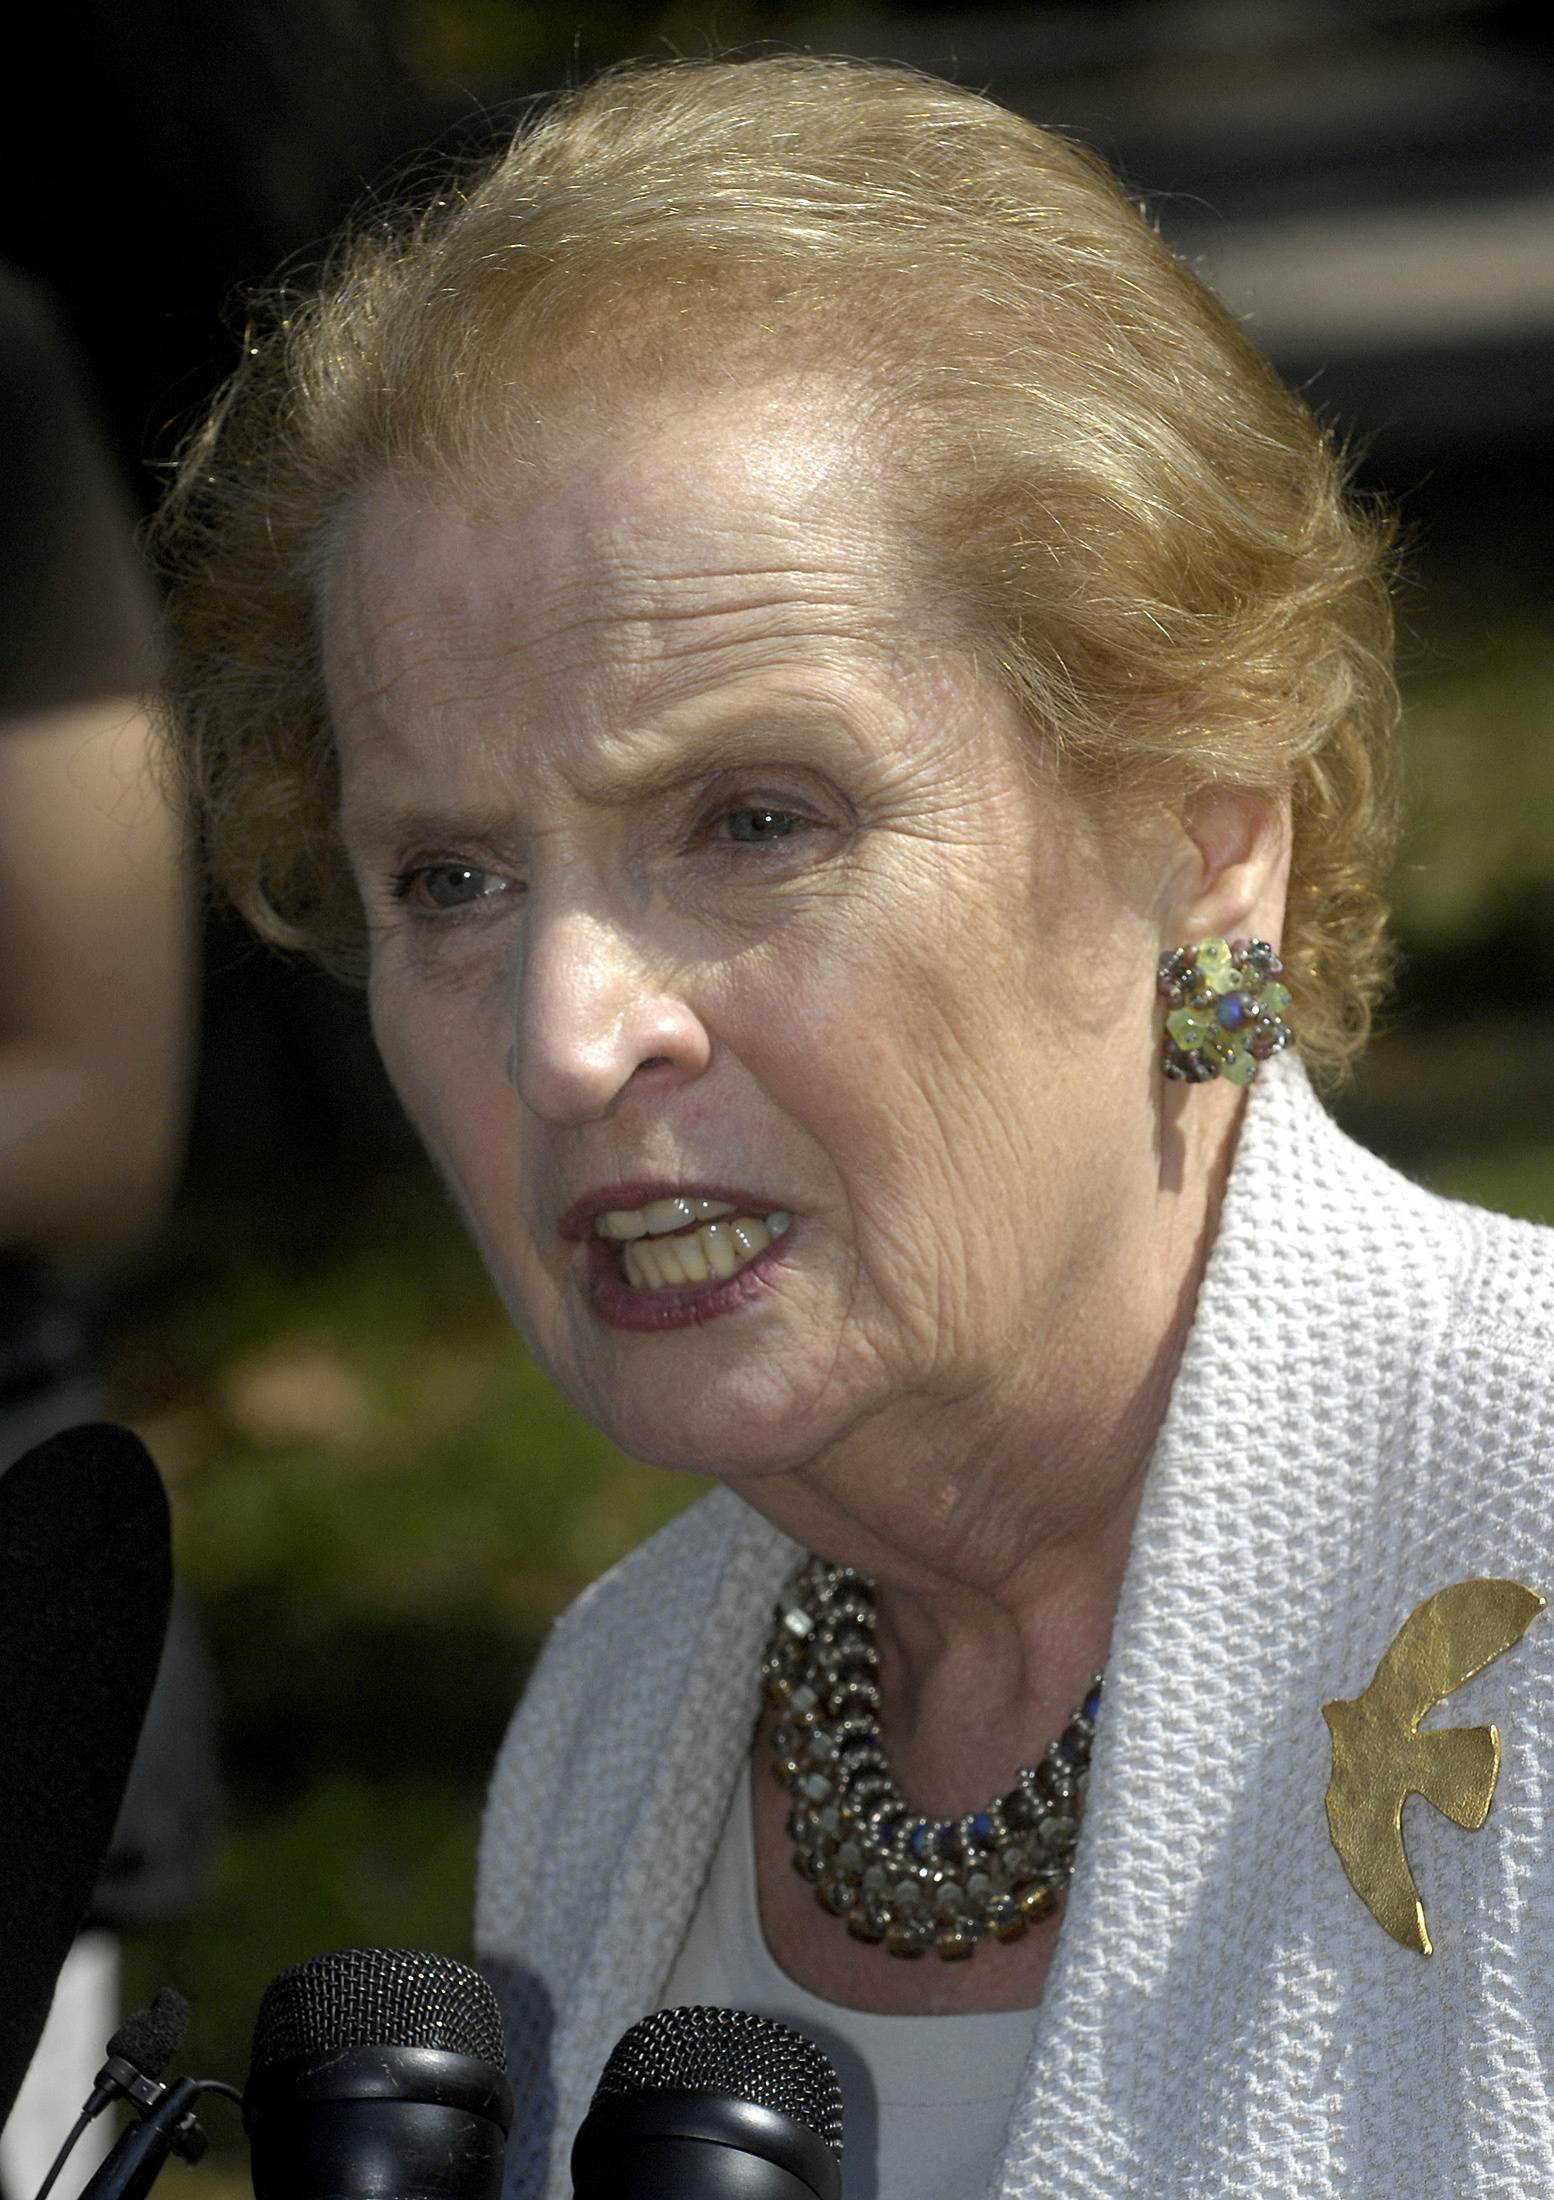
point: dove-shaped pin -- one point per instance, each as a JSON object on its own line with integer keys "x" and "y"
{"x": 1380, "y": 1758}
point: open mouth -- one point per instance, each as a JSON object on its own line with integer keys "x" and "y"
{"x": 672, "y": 1243}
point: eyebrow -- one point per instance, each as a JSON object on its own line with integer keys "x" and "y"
{"x": 643, "y": 766}
{"x": 661, "y": 760}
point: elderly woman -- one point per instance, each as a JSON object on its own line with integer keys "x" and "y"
{"x": 844, "y": 713}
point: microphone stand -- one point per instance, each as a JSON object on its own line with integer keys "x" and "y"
{"x": 131, "y": 2167}
{"x": 168, "y": 2126}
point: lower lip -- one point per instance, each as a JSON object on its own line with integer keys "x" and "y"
{"x": 676, "y": 1305}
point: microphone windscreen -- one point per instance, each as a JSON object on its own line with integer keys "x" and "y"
{"x": 152, "y": 2036}
{"x": 85, "y": 1588}
{"x": 378, "y": 2074}
{"x": 377, "y": 1997}
{"x": 734, "y": 2052}
{"x": 712, "y": 2104}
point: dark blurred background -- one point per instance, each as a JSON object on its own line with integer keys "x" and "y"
{"x": 380, "y": 1506}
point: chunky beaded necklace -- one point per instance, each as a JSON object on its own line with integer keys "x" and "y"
{"x": 893, "y": 1874}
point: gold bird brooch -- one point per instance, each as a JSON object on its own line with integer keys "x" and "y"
{"x": 1380, "y": 1757}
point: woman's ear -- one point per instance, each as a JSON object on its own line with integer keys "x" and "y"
{"x": 1236, "y": 872}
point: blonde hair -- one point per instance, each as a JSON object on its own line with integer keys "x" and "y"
{"x": 1136, "y": 525}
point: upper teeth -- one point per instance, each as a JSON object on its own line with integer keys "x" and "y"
{"x": 659, "y": 1217}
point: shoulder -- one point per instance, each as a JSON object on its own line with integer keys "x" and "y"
{"x": 627, "y": 1630}
{"x": 31, "y": 339}
{"x": 615, "y": 1672}
{"x": 1450, "y": 1397}
{"x": 1451, "y": 1279}
{"x": 1349, "y": 1238}
{"x": 1503, "y": 1281}
{"x": 1486, "y": 1387}
{"x": 1362, "y": 1338}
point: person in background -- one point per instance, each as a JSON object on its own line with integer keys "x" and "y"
{"x": 96, "y": 959}
{"x": 96, "y": 1029}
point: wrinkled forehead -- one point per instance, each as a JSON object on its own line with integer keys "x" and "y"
{"x": 773, "y": 505}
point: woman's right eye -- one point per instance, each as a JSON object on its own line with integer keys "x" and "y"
{"x": 447, "y": 885}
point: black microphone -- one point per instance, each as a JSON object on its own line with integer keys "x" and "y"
{"x": 85, "y": 1586}
{"x": 378, "y": 2074}
{"x": 712, "y": 2104}
{"x": 139, "y": 2052}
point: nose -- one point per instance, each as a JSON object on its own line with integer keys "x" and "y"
{"x": 592, "y": 1017}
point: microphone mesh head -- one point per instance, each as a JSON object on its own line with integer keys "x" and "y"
{"x": 377, "y": 1997}
{"x": 730, "y": 2051}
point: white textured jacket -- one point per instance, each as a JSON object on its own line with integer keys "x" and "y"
{"x": 1364, "y": 1414}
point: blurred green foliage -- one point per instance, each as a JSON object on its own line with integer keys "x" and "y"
{"x": 1515, "y": 1180}
{"x": 1479, "y": 747}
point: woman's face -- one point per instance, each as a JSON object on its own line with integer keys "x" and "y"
{"x": 695, "y": 869}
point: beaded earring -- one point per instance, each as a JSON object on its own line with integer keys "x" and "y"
{"x": 1226, "y": 1010}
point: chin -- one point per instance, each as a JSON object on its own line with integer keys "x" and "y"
{"x": 724, "y": 1432}
{"x": 686, "y": 1401}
